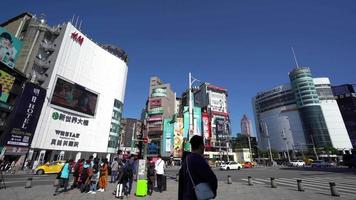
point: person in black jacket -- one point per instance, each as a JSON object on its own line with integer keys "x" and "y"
{"x": 150, "y": 176}
{"x": 199, "y": 170}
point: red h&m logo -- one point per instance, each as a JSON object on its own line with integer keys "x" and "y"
{"x": 78, "y": 38}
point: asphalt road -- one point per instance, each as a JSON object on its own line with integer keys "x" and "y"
{"x": 19, "y": 180}
{"x": 286, "y": 172}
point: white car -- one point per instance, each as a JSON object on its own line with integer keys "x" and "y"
{"x": 231, "y": 165}
{"x": 297, "y": 163}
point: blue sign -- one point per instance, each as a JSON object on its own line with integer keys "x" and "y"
{"x": 25, "y": 118}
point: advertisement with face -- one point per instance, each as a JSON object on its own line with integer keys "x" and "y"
{"x": 6, "y": 82}
{"x": 74, "y": 97}
{"x": 10, "y": 47}
{"x": 217, "y": 102}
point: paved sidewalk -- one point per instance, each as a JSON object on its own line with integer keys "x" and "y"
{"x": 226, "y": 192}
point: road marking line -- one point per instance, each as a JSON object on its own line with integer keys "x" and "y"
{"x": 313, "y": 185}
{"x": 339, "y": 185}
{"x": 253, "y": 181}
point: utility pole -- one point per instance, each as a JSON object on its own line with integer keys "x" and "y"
{"x": 269, "y": 143}
{"x": 316, "y": 155}
{"x": 249, "y": 146}
{"x": 191, "y": 128}
{"x": 286, "y": 143}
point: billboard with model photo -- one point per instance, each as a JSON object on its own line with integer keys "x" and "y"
{"x": 75, "y": 97}
{"x": 10, "y": 47}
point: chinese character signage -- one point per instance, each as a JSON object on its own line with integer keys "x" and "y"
{"x": 26, "y": 116}
{"x": 65, "y": 139}
{"x": 6, "y": 82}
{"x": 10, "y": 48}
{"x": 69, "y": 118}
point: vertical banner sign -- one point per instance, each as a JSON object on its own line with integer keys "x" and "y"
{"x": 26, "y": 116}
{"x": 6, "y": 82}
{"x": 197, "y": 121}
{"x": 178, "y": 138}
{"x": 10, "y": 48}
{"x": 168, "y": 128}
{"x": 186, "y": 122}
{"x": 206, "y": 129}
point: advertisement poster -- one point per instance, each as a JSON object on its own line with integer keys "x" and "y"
{"x": 206, "y": 126}
{"x": 74, "y": 97}
{"x": 178, "y": 137}
{"x": 6, "y": 82}
{"x": 168, "y": 128}
{"x": 197, "y": 123}
{"x": 27, "y": 113}
{"x": 10, "y": 48}
{"x": 217, "y": 102}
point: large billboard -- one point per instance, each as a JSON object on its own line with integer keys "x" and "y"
{"x": 217, "y": 102}
{"x": 10, "y": 48}
{"x": 26, "y": 116}
{"x": 6, "y": 82}
{"x": 178, "y": 138}
{"x": 74, "y": 97}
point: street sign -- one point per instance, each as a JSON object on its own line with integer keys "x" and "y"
{"x": 145, "y": 140}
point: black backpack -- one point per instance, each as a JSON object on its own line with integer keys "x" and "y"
{"x": 128, "y": 170}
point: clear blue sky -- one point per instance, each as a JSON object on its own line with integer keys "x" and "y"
{"x": 243, "y": 46}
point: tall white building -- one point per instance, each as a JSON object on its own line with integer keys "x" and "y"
{"x": 85, "y": 94}
{"x": 296, "y": 115}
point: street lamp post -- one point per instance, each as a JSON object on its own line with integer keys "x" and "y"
{"x": 286, "y": 143}
{"x": 269, "y": 143}
{"x": 312, "y": 140}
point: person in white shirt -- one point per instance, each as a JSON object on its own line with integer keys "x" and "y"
{"x": 159, "y": 168}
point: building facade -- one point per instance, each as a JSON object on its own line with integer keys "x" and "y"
{"x": 346, "y": 99}
{"x": 298, "y": 115}
{"x": 161, "y": 104}
{"x": 246, "y": 126}
{"x": 85, "y": 94}
{"x": 131, "y": 135}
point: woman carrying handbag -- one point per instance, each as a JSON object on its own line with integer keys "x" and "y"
{"x": 63, "y": 177}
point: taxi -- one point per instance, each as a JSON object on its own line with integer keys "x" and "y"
{"x": 50, "y": 167}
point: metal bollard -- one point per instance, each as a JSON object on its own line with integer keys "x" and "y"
{"x": 249, "y": 181}
{"x": 273, "y": 183}
{"x": 177, "y": 177}
{"x": 29, "y": 182}
{"x": 333, "y": 190}
{"x": 300, "y": 186}
{"x": 229, "y": 181}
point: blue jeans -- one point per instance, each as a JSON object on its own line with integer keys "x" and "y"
{"x": 93, "y": 186}
{"x": 113, "y": 176}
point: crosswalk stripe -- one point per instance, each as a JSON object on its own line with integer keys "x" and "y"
{"x": 339, "y": 180}
{"x": 311, "y": 186}
{"x": 254, "y": 181}
{"x": 319, "y": 182}
{"x": 325, "y": 187}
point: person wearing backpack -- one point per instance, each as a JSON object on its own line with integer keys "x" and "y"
{"x": 129, "y": 172}
{"x": 63, "y": 178}
{"x": 122, "y": 180}
{"x": 150, "y": 176}
{"x": 86, "y": 176}
{"x": 95, "y": 176}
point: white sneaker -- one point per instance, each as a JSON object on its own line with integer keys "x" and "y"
{"x": 89, "y": 192}
{"x": 93, "y": 192}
